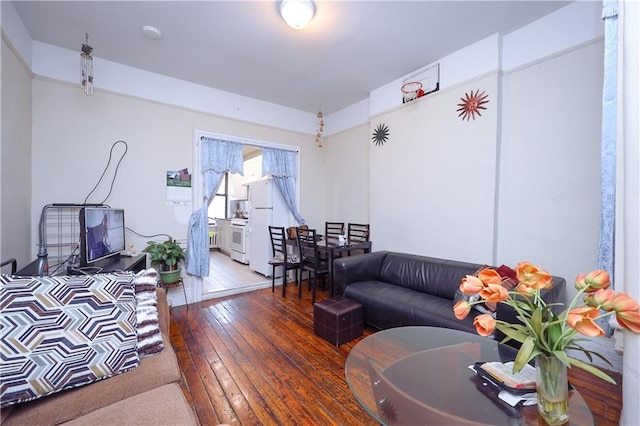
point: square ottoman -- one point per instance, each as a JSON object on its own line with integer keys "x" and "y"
{"x": 337, "y": 319}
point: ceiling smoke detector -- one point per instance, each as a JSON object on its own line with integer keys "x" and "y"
{"x": 152, "y": 32}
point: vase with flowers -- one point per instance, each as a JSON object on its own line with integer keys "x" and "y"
{"x": 544, "y": 335}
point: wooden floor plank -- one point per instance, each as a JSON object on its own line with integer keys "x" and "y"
{"x": 253, "y": 358}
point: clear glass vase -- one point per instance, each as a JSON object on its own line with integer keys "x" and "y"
{"x": 552, "y": 389}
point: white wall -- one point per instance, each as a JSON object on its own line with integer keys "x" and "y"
{"x": 549, "y": 199}
{"x": 15, "y": 160}
{"x": 433, "y": 182}
{"x": 73, "y": 135}
{"x": 347, "y": 189}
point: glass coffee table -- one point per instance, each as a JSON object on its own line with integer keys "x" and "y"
{"x": 411, "y": 375}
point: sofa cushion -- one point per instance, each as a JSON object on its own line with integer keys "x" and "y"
{"x": 439, "y": 277}
{"x": 64, "y": 332}
{"x": 388, "y": 305}
{"x": 60, "y": 407}
{"x": 165, "y": 405}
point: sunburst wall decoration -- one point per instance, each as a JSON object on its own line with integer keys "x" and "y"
{"x": 471, "y": 105}
{"x": 380, "y": 135}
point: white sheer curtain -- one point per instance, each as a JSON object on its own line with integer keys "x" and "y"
{"x": 282, "y": 165}
{"x": 627, "y": 234}
{"x": 218, "y": 157}
{"x": 605, "y": 251}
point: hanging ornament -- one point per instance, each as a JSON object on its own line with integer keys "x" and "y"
{"x": 320, "y": 129}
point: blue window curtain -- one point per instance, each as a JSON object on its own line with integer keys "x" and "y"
{"x": 218, "y": 157}
{"x": 605, "y": 255}
{"x": 282, "y": 165}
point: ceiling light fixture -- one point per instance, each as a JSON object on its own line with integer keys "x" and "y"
{"x": 297, "y": 13}
{"x": 86, "y": 67}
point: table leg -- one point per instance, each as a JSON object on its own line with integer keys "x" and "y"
{"x": 331, "y": 259}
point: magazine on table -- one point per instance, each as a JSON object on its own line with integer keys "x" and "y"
{"x": 501, "y": 375}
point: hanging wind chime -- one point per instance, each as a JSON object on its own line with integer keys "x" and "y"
{"x": 86, "y": 67}
{"x": 320, "y": 129}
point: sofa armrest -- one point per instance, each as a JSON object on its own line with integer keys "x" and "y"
{"x": 361, "y": 267}
{"x": 163, "y": 310}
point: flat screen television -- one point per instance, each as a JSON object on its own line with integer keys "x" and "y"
{"x": 101, "y": 233}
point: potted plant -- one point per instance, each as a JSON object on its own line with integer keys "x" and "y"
{"x": 168, "y": 255}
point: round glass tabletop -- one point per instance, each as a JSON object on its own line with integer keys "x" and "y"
{"x": 410, "y": 375}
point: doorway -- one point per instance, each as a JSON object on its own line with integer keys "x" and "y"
{"x": 227, "y": 276}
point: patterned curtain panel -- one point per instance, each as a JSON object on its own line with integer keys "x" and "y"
{"x": 605, "y": 252}
{"x": 218, "y": 157}
{"x": 282, "y": 165}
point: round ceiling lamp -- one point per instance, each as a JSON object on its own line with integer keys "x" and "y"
{"x": 297, "y": 13}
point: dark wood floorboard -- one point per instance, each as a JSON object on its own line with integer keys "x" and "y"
{"x": 254, "y": 359}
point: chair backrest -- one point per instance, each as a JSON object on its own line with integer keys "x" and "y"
{"x": 278, "y": 240}
{"x": 12, "y": 262}
{"x": 333, "y": 229}
{"x": 358, "y": 232}
{"x": 307, "y": 244}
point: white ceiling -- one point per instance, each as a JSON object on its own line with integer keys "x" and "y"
{"x": 244, "y": 47}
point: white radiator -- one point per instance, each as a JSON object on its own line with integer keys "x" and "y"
{"x": 213, "y": 238}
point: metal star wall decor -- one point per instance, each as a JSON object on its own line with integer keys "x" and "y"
{"x": 471, "y": 105}
{"x": 380, "y": 134}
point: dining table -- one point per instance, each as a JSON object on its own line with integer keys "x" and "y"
{"x": 331, "y": 247}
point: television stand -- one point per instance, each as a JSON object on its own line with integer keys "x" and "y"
{"x": 116, "y": 264}
{"x": 111, "y": 264}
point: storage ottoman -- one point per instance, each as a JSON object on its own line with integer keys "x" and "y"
{"x": 337, "y": 319}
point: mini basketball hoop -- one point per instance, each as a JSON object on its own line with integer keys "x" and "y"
{"x": 411, "y": 90}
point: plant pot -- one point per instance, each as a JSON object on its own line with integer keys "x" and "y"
{"x": 552, "y": 389}
{"x": 169, "y": 277}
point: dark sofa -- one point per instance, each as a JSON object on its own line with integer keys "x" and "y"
{"x": 398, "y": 289}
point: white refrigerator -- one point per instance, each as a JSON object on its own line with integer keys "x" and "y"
{"x": 266, "y": 208}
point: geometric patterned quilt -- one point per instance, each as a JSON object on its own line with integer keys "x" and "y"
{"x": 63, "y": 332}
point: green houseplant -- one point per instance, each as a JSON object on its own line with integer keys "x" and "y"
{"x": 168, "y": 255}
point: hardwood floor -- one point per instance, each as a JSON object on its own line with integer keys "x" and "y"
{"x": 253, "y": 358}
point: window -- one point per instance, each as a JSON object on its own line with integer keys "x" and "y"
{"x": 218, "y": 206}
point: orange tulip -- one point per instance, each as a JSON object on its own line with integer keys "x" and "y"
{"x": 494, "y": 293}
{"x": 581, "y": 319}
{"x": 622, "y": 302}
{"x": 485, "y": 324}
{"x": 525, "y": 290}
{"x": 629, "y": 320}
{"x": 597, "y": 279}
{"x": 580, "y": 283}
{"x": 471, "y": 285}
{"x": 533, "y": 276}
{"x": 489, "y": 276}
{"x": 461, "y": 309}
{"x": 602, "y": 299}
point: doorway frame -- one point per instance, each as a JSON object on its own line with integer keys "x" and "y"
{"x": 196, "y": 286}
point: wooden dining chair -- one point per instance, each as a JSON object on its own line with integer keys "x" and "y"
{"x": 310, "y": 260}
{"x": 281, "y": 258}
{"x": 357, "y": 232}
{"x": 333, "y": 229}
